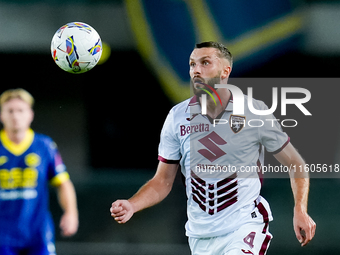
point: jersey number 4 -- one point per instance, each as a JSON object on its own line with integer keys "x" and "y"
{"x": 249, "y": 239}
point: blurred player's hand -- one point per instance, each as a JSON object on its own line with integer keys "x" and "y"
{"x": 304, "y": 226}
{"x": 121, "y": 211}
{"x": 69, "y": 224}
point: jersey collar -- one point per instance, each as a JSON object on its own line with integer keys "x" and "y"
{"x": 17, "y": 149}
{"x": 194, "y": 106}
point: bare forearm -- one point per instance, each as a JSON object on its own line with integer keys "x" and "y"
{"x": 153, "y": 192}
{"x": 304, "y": 226}
{"x": 67, "y": 197}
{"x": 68, "y": 202}
{"x": 299, "y": 178}
{"x": 150, "y": 194}
{"x": 300, "y": 188}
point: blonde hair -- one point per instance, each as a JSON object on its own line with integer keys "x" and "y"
{"x": 16, "y": 93}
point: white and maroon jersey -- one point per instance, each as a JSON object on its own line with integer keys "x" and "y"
{"x": 219, "y": 161}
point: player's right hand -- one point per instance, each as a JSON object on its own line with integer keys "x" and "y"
{"x": 121, "y": 211}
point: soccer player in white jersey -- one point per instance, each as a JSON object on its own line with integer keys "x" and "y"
{"x": 226, "y": 214}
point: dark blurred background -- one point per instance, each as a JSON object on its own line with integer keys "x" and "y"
{"x": 107, "y": 122}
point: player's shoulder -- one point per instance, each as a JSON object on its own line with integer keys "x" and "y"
{"x": 180, "y": 112}
{"x": 182, "y": 106}
{"x": 44, "y": 140}
{"x": 257, "y": 104}
{"x": 42, "y": 137}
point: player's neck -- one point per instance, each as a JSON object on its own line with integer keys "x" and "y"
{"x": 214, "y": 110}
{"x": 16, "y": 136}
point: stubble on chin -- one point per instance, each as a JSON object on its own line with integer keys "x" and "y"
{"x": 200, "y": 84}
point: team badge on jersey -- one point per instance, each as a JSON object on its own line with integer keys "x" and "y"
{"x": 32, "y": 160}
{"x": 237, "y": 123}
{"x": 3, "y": 160}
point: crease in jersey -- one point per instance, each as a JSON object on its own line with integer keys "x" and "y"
{"x": 17, "y": 149}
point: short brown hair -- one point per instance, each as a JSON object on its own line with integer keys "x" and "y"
{"x": 224, "y": 52}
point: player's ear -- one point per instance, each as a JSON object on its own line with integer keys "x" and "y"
{"x": 32, "y": 115}
{"x": 226, "y": 71}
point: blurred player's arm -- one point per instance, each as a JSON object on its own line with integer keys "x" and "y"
{"x": 68, "y": 202}
{"x": 304, "y": 226}
{"x": 153, "y": 192}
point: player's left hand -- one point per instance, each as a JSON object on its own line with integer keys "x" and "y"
{"x": 69, "y": 224}
{"x": 304, "y": 226}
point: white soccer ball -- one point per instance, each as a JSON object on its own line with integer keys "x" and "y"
{"x": 76, "y": 47}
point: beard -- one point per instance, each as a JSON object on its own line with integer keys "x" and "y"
{"x": 199, "y": 84}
